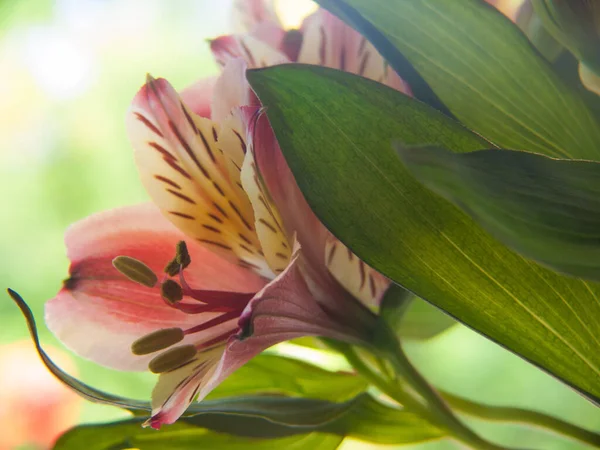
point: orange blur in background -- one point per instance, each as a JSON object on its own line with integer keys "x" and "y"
{"x": 35, "y": 408}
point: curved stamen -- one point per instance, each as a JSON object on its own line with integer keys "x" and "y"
{"x": 199, "y": 309}
{"x": 212, "y": 322}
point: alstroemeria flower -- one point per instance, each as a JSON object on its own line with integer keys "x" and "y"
{"x": 262, "y": 269}
{"x": 322, "y": 39}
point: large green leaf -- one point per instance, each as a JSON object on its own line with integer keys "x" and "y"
{"x": 335, "y": 130}
{"x": 482, "y": 68}
{"x": 362, "y": 418}
{"x": 547, "y": 209}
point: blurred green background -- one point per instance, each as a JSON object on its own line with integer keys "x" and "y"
{"x": 68, "y": 70}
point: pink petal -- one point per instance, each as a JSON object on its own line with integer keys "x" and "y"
{"x": 99, "y": 313}
{"x": 199, "y": 95}
{"x": 231, "y": 90}
{"x": 249, "y": 13}
{"x": 285, "y": 309}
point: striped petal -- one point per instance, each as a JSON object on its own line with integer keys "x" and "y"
{"x": 184, "y": 170}
{"x": 329, "y": 42}
{"x": 175, "y": 390}
{"x": 296, "y": 217}
{"x": 362, "y": 281}
{"x": 99, "y": 313}
{"x": 256, "y": 52}
{"x": 268, "y": 222}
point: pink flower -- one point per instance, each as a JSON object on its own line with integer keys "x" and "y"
{"x": 259, "y": 267}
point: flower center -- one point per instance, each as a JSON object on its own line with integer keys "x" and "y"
{"x": 218, "y": 307}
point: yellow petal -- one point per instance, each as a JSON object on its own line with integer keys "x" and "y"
{"x": 268, "y": 223}
{"x": 185, "y": 172}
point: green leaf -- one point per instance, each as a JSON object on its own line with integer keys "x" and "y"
{"x": 305, "y": 413}
{"x": 195, "y": 439}
{"x": 547, "y": 209}
{"x": 87, "y": 392}
{"x": 335, "y": 130}
{"x": 180, "y": 436}
{"x": 412, "y": 318}
{"x": 483, "y": 69}
{"x": 423, "y": 321}
{"x": 362, "y": 418}
{"x": 280, "y": 375}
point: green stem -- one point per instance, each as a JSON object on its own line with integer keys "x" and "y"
{"x": 437, "y": 405}
{"x": 393, "y": 390}
{"x": 434, "y": 410}
{"x": 521, "y": 416}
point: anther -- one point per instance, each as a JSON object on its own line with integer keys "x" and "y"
{"x": 183, "y": 256}
{"x": 173, "y": 359}
{"x": 135, "y": 270}
{"x": 181, "y": 261}
{"x": 157, "y": 340}
{"x": 171, "y": 291}
{"x": 172, "y": 268}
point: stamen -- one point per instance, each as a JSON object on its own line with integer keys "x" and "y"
{"x": 157, "y": 340}
{"x": 135, "y": 270}
{"x": 213, "y": 322}
{"x": 171, "y": 291}
{"x": 221, "y": 298}
{"x": 172, "y": 359}
{"x": 217, "y": 298}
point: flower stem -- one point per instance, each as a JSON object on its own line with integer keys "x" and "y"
{"x": 430, "y": 406}
{"x": 437, "y": 405}
{"x": 521, "y": 416}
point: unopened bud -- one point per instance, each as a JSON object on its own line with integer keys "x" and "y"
{"x": 157, "y": 340}
{"x": 135, "y": 270}
{"x": 171, "y": 291}
{"x": 173, "y": 359}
